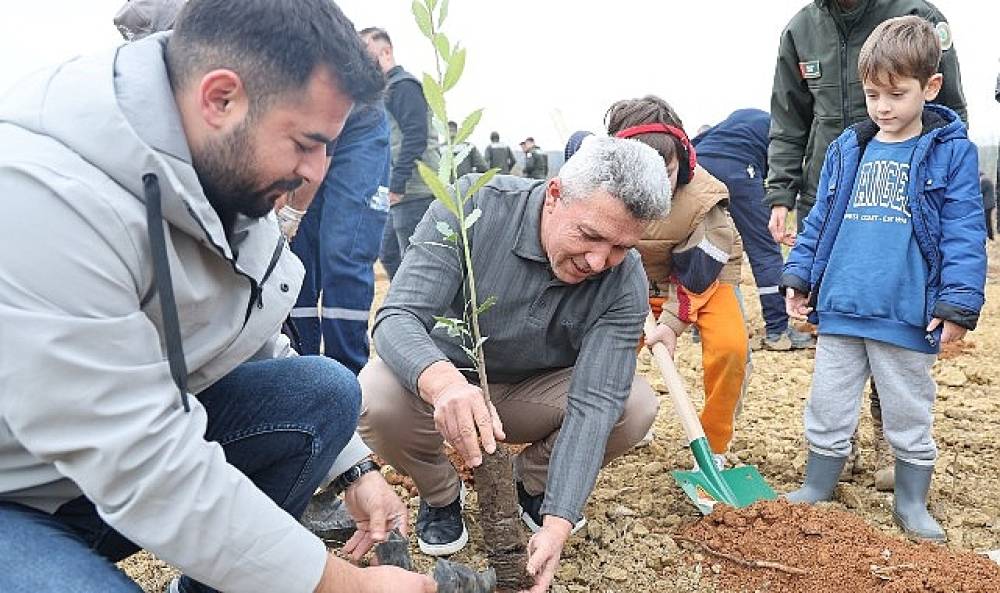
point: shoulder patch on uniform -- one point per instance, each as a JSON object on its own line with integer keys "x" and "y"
{"x": 810, "y": 70}
{"x": 944, "y": 34}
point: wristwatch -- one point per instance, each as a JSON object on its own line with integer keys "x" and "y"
{"x": 353, "y": 474}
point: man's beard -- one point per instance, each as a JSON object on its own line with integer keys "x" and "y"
{"x": 227, "y": 170}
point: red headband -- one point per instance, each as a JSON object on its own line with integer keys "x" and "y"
{"x": 669, "y": 130}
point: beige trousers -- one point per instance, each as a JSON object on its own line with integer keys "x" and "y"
{"x": 399, "y": 427}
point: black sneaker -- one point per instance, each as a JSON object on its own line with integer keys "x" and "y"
{"x": 531, "y": 507}
{"x": 441, "y": 531}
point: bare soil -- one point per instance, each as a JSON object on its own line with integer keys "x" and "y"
{"x": 784, "y": 548}
{"x": 639, "y": 519}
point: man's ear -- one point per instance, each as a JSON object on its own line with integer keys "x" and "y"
{"x": 222, "y": 99}
{"x": 933, "y": 86}
{"x": 553, "y": 193}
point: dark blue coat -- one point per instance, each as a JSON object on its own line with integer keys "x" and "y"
{"x": 947, "y": 219}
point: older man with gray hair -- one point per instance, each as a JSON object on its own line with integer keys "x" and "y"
{"x": 571, "y": 296}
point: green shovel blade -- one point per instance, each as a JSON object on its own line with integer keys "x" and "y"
{"x": 738, "y": 487}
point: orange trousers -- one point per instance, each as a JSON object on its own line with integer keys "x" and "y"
{"x": 724, "y": 350}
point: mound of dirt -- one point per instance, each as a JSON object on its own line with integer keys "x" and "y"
{"x": 784, "y": 548}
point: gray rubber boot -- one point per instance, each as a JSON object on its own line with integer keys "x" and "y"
{"x": 909, "y": 509}
{"x": 822, "y": 474}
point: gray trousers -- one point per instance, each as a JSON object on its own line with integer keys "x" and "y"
{"x": 905, "y": 387}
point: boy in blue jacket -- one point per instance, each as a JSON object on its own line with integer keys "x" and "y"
{"x": 891, "y": 264}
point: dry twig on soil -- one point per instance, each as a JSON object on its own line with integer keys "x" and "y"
{"x": 743, "y": 562}
{"x": 887, "y": 573}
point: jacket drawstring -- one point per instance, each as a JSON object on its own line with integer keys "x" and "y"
{"x": 161, "y": 274}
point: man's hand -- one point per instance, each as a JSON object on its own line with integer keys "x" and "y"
{"x": 340, "y": 576}
{"x": 796, "y": 304}
{"x": 394, "y": 198}
{"x": 460, "y": 413}
{"x": 778, "y": 227}
{"x": 662, "y": 334}
{"x": 952, "y": 332}
{"x": 544, "y": 550}
{"x": 376, "y": 509}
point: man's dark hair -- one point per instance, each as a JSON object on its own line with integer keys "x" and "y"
{"x": 274, "y": 46}
{"x": 376, "y": 33}
{"x": 494, "y": 137}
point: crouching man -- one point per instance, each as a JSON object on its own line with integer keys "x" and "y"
{"x": 147, "y": 399}
{"x": 571, "y": 297}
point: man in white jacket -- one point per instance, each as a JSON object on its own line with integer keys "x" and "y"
{"x": 147, "y": 398}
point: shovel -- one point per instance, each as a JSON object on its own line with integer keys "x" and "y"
{"x": 707, "y": 485}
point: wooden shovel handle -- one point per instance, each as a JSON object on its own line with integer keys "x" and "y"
{"x": 675, "y": 385}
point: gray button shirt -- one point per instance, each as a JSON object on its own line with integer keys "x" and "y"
{"x": 538, "y": 324}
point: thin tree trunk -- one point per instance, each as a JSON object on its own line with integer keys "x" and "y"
{"x": 506, "y": 547}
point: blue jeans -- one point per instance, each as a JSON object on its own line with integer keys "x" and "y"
{"x": 281, "y": 422}
{"x": 338, "y": 242}
{"x": 403, "y": 220}
{"x": 751, "y": 216}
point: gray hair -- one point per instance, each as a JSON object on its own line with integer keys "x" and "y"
{"x": 627, "y": 169}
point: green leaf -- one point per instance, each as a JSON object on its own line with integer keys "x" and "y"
{"x": 472, "y": 218}
{"x": 440, "y": 128}
{"x": 454, "y": 327}
{"x": 435, "y": 98}
{"x": 471, "y": 354}
{"x": 442, "y": 46}
{"x": 423, "y": 18}
{"x": 445, "y": 229}
{"x": 478, "y": 185}
{"x": 486, "y": 305}
{"x": 439, "y": 189}
{"x": 463, "y": 153}
{"x": 470, "y": 123}
{"x": 456, "y": 65}
{"x": 431, "y": 4}
{"x": 443, "y": 14}
{"x": 446, "y": 166}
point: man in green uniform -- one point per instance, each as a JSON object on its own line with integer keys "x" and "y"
{"x": 536, "y": 162}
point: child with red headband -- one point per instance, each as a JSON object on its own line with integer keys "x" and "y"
{"x": 692, "y": 258}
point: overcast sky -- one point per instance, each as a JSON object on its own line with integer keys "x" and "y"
{"x": 548, "y": 67}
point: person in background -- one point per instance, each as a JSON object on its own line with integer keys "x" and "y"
{"x": 472, "y": 162}
{"x": 499, "y": 156}
{"x": 536, "y": 162}
{"x": 734, "y": 151}
{"x": 338, "y": 242}
{"x": 149, "y": 398}
{"x": 988, "y": 190}
{"x": 411, "y": 138}
{"x": 926, "y": 240}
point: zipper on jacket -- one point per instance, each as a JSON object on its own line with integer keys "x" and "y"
{"x": 845, "y": 88}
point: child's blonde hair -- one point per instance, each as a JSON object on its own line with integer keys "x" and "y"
{"x": 900, "y": 47}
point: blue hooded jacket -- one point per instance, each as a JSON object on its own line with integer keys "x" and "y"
{"x": 947, "y": 213}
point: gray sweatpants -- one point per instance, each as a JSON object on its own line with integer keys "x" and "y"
{"x": 905, "y": 388}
